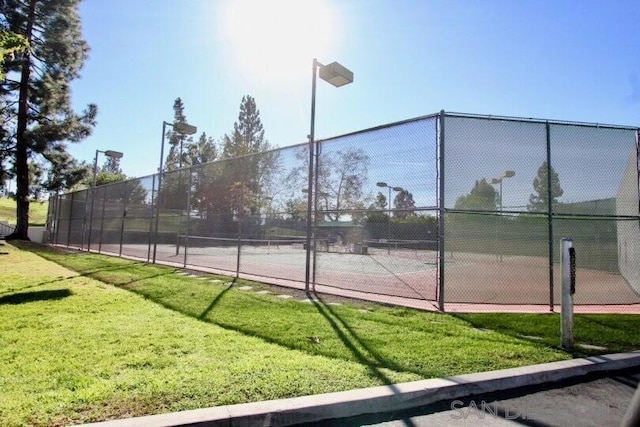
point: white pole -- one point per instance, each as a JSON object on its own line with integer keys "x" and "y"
{"x": 568, "y": 289}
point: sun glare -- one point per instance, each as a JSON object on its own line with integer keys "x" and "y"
{"x": 273, "y": 40}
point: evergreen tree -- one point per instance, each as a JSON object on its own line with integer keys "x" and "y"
{"x": 248, "y": 134}
{"x": 203, "y": 151}
{"x": 252, "y": 167}
{"x": 203, "y": 180}
{"x": 112, "y": 165}
{"x": 539, "y": 201}
{"x": 178, "y": 143}
{"x": 10, "y": 45}
{"x": 404, "y": 204}
{"x": 381, "y": 201}
{"x": 482, "y": 196}
{"x": 38, "y": 82}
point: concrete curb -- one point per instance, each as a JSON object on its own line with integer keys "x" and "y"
{"x": 393, "y": 397}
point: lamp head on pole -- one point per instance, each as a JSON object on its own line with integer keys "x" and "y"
{"x": 335, "y": 74}
{"x": 185, "y": 128}
{"x": 381, "y": 184}
{"x": 113, "y": 154}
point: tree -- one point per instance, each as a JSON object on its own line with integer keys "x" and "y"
{"x": 539, "y": 201}
{"x": 482, "y": 196}
{"x": 174, "y": 183}
{"x": 112, "y": 165}
{"x": 178, "y": 143}
{"x": 38, "y": 83}
{"x": 251, "y": 164}
{"x": 404, "y": 205}
{"x": 200, "y": 153}
{"x": 296, "y": 209}
{"x": 248, "y": 133}
{"x": 341, "y": 177}
{"x": 203, "y": 151}
{"x": 381, "y": 201}
{"x": 10, "y": 45}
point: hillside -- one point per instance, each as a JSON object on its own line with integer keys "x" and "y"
{"x": 37, "y": 211}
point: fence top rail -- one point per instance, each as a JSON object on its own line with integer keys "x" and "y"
{"x": 538, "y": 120}
{"x": 388, "y": 125}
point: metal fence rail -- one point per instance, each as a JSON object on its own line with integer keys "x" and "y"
{"x": 449, "y": 208}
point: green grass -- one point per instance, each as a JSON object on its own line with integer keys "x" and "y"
{"x": 37, "y": 211}
{"x": 96, "y": 337}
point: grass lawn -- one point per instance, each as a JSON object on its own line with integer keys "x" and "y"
{"x": 88, "y": 337}
{"x": 37, "y": 211}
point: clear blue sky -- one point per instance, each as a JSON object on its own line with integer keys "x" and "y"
{"x": 564, "y": 60}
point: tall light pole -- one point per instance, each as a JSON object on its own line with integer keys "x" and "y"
{"x": 337, "y": 75}
{"x": 183, "y": 129}
{"x": 108, "y": 153}
{"x": 505, "y": 174}
{"x": 384, "y": 185}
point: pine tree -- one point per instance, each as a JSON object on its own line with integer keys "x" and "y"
{"x": 203, "y": 181}
{"x": 202, "y": 151}
{"x": 38, "y": 83}
{"x": 482, "y": 196}
{"x": 404, "y": 204}
{"x": 112, "y": 165}
{"x": 253, "y": 166}
{"x": 539, "y": 201}
{"x": 178, "y": 143}
{"x": 248, "y": 134}
{"x": 10, "y": 45}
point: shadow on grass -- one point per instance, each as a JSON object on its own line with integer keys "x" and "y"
{"x": 216, "y": 300}
{"x": 354, "y": 343}
{"x": 37, "y": 285}
{"x": 362, "y": 353}
{"x": 538, "y": 329}
{"x": 33, "y": 296}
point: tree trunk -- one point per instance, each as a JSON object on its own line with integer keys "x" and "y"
{"x": 22, "y": 152}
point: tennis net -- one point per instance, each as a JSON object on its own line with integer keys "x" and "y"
{"x": 213, "y": 245}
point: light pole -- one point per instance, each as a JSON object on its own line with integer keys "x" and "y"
{"x": 337, "y": 75}
{"x": 183, "y": 129}
{"x": 267, "y": 214}
{"x": 505, "y": 174}
{"x": 108, "y": 153}
{"x": 384, "y": 185}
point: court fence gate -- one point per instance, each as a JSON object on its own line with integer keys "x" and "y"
{"x": 451, "y": 209}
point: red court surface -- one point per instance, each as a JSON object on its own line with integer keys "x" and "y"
{"x": 473, "y": 282}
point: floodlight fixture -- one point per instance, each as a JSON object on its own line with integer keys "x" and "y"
{"x": 335, "y": 74}
{"x": 112, "y": 154}
{"x": 185, "y": 128}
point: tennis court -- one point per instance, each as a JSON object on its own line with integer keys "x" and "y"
{"x": 493, "y": 194}
{"x": 397, "y": 271}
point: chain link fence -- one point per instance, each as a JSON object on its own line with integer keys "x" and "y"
{"x": 448, "y": 208}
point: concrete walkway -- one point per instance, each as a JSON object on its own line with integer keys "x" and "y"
{"x": 330, "y": 408}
